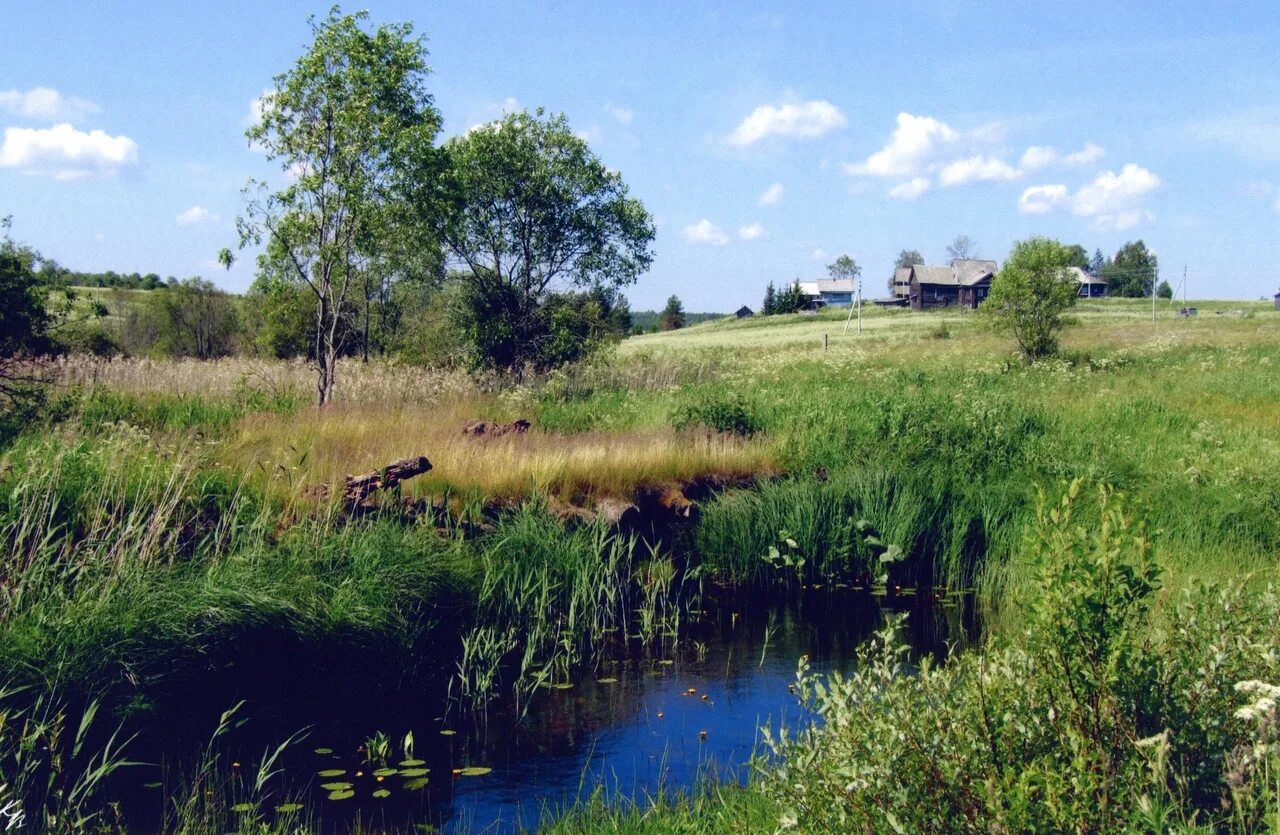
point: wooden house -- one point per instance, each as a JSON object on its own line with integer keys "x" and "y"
{"x": 1091, "y": 287}
{"x": 834, "y": 292}
{"x": 1277, "y": 301}
{"x": 901, "y": 285}
{"x": 966, "y": 283}
{"x": 744, "y": 312}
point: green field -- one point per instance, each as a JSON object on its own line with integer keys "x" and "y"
{"x": 165, "y": 511}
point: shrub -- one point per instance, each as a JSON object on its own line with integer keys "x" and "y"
{"x": 720, "y": 413}
{"x": 1089, "y": 721}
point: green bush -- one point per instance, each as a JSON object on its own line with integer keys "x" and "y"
{"x": 720, "y": 413}
{"x": 1088, "y": 721}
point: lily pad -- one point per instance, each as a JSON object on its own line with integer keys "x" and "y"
{"x": 447, "y": 732}
{"x": 324, "y": 751}
{"x": 335, "y": 787}
{"x": 333, "y": 772}
{"x": 414, "y": 772}
{"x": 243, "y": 807}
{"x": 606, "y": 681}
{"x": 341, "y": 795}
{"x": 412, "y": 763}
{"x": 385, "y": 772}
{"x": 382, "y": 793}
{"x": 415, "y": 784}
{"x": 286, "y": 808}
{"x": 153, "y": 785}
{"x": 564, "y": 685}
{"x": 475, "y": 771}
{"x": 666, "y": 662}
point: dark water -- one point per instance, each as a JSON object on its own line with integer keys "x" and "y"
{"x": 631, "y": 725}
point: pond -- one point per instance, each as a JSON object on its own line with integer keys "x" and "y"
{"x": 633, "y": 724}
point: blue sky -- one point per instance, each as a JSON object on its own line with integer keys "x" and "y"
{"x": 765, "y": 140}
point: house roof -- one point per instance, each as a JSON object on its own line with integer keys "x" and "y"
{"x": 1086, "y": 277}
{"x": 902, "y": 275}
{"x": 826, "y": 285}
{"x": 964, "y": 272}
{"x": 935, "y": 275}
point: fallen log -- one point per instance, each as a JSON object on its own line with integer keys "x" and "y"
{"x": 356, "y": 489}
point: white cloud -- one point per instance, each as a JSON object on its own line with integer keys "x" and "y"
{"x": 911, "y": 189}
{"x": 705, "y": 232}
{"x": 818, "y": 254}
{"x": 977, "y": 168}
{"x": 623, "y": 115}
{"x": 1039, "y": 156}
{"x": 771, "y": 196}
{"x": 1277, "y": 206}
{"x": 46, "y": 104}
{"x": 753, "y": 232}
{"x": 1111, "y": 200}
{"x": 64, "y": 153}
{"x": 195, "y": 216}
{"x": 1040, "y": 200}
{"x": 915, "y": 140}
{"x": 1089, "y": 153}
{"x": 806, "y": 120}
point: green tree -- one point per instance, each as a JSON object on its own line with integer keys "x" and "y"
{"x": 193, "y": 319}
{"x": 672, "y": 317}
{"x": 844, "y": 267}
{"x": 1133, "y": 271}
{"x": 1097, "y": 262}
{"x": 28, "y": 321}
{"x": 532, "y": 212}
{"x": 344, "y": 121}
{"x": 1164, "y": 291}
{"x": 791, "y": 299}
{"x": 1079, "y": 256}
{"x": 770, "y": 304}
{"x": 908, "y": 258}
{"x": 1029, "y": 295}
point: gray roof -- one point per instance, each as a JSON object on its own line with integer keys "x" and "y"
{"x": 901, "y": 275}
{"x": 934, "y": 275}
{"x": 962, "y": 273}
{"x": 1086, "y": 277}
{"x": 827, "y": 285}
{"x": 970, "y": 271}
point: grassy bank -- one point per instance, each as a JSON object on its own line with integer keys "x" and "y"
{"x": 160, "y": 521}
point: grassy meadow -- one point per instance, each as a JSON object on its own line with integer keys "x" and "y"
{"x": 161, "y": 517}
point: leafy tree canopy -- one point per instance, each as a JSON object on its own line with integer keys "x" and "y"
{"x": 1029, "y": 295}
{"x": 1132, "y": 272}
{"x": 532, "y": 211}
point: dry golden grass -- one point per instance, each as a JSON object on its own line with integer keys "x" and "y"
{"x": 323, "y": 445}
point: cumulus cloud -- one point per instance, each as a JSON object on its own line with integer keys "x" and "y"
{"x": 914, "y": 142}
{"x": 705, "y": 232}
{"x": 1040, "y": 156}
{"x": 771, "y": 196}
{"x": 818, "y": 254}
{"x": 195, "y": 216}
{"x": 977, "y": 168}
{"x": 64, "y": 153}
{"x": 752, "y": 232}
{"x": 803, "y": 120}
{"x": 46, "y": 104}
{"x": 1113, "y": 201}
{"x": 1040, "y": 200}
{"x": 623, "y": 115}
{"x": 911, "y": 189}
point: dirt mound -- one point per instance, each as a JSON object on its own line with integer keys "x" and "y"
{"x": 488, "y": 429}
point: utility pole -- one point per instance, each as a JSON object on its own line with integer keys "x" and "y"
{"x": 1184, "y": 285}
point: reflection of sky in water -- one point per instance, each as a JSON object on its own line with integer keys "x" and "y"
{"x": 611, "y": 735}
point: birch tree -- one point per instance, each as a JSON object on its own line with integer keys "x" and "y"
{"x": 342, "y": 124}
